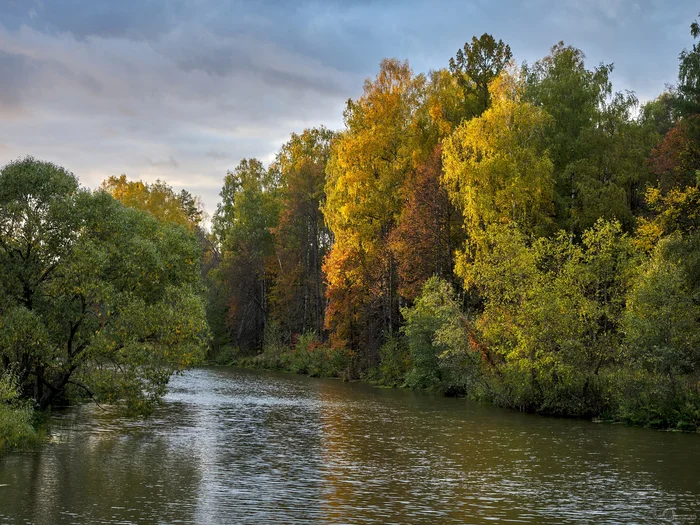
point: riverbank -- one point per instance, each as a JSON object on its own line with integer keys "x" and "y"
{"x": 630, "y": 397}
{"x": 20, "y": 425}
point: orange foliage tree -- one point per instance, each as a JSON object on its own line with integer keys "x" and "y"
{"x": 369, "y": 163}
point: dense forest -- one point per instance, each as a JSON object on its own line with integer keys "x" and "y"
{"x": 522, "y": 235}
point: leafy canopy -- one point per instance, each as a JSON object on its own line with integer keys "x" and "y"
{"x": 92, "y": 294}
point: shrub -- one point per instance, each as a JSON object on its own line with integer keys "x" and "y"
{"x": 657, "y": 400}
{"x": 16, "y": 416}
{"x": 309, "y": 356}
{"x": 394, "y": 364}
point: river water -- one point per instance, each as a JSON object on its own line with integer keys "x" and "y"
{"x": 236, "y": 446}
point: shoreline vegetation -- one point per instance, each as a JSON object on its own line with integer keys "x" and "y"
{"x": 312, "y": 359}
{"x": 292, "y": 361}
{"x": 522, "y": 235}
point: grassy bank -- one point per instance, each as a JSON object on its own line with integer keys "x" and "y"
{"x": 614, "y": 394}
{"x": 18, "y": 420}
{"x": 308, "y": 356}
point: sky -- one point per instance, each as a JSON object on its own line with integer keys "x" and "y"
{"x": 182, "y": 90}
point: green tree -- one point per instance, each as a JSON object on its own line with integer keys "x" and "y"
{"x": 659, "y": 113}
{"x": 242, "y": 226}
{"x": 476, "y": 65}
{"x": 552, "y": 314}
{"x": 663, "y": 308}
{"x": 93, "y": 294}
{"x": 597, "y": 148}
{"x": 688, "y": 89}
{"x": 440, "y": 340}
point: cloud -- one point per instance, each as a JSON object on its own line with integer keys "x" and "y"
{"x": 170, "y": 162}
{"x": 182, "y": 90}
{"x": 218, "y": 155}
{"x": 106, "y": 106}
{"x": 17, "y": 72}
{"x": 130, "y": 19}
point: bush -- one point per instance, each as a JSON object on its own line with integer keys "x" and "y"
{"x": 437, "y": 336}
{"x": 394, "y": 364}
{"x": 224, "y": 355}
{"x": 273, "y": 343}
{"x": 430, "y": 312}
{"x": 309, "y": 356}
{"x": 16, "y": 416}
{"x": 657, "y": 400}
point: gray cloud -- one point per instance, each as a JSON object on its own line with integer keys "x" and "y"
{"x": 170, "y": 162}
{"x": 218, "y": 155}
{"x": 132, "y": 19}
{"x": 181, "y": 90}
{"x": 17, "y": 71}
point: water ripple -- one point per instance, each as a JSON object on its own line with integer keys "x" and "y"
{"x": 231, "y": 446}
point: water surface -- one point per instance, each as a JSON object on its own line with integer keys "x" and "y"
{"x": 235, "y": 446}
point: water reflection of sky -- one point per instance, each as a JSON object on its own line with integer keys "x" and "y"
{"x": 243, "y": 447}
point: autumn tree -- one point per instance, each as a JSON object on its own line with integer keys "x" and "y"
{"x": 369, "y": 162}
{"x": 428, "y": 229}
{"x": 442, "y": 110}
{"x": 675, "y": 160}
{"x": 301, "y": 238}
{"x": 158, "y": 198}
{"x": 663, "y": 312}
{"x": 497, "y": 168}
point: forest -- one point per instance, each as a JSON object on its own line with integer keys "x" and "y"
{"x": 518, "y": 234}
{"x": 521, "y": 235}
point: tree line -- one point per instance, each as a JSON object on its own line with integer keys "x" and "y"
{"x": 520, "y": 234}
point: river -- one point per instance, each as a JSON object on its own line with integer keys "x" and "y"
{"x": 235, "y": 446}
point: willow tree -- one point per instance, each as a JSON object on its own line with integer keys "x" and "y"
{"x": 92, "y": 294}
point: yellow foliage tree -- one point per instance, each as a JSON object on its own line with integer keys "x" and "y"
{"x": 369, "y": 162}
{"x": 158, "y": 198}
{"x": 496, "y": 166}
